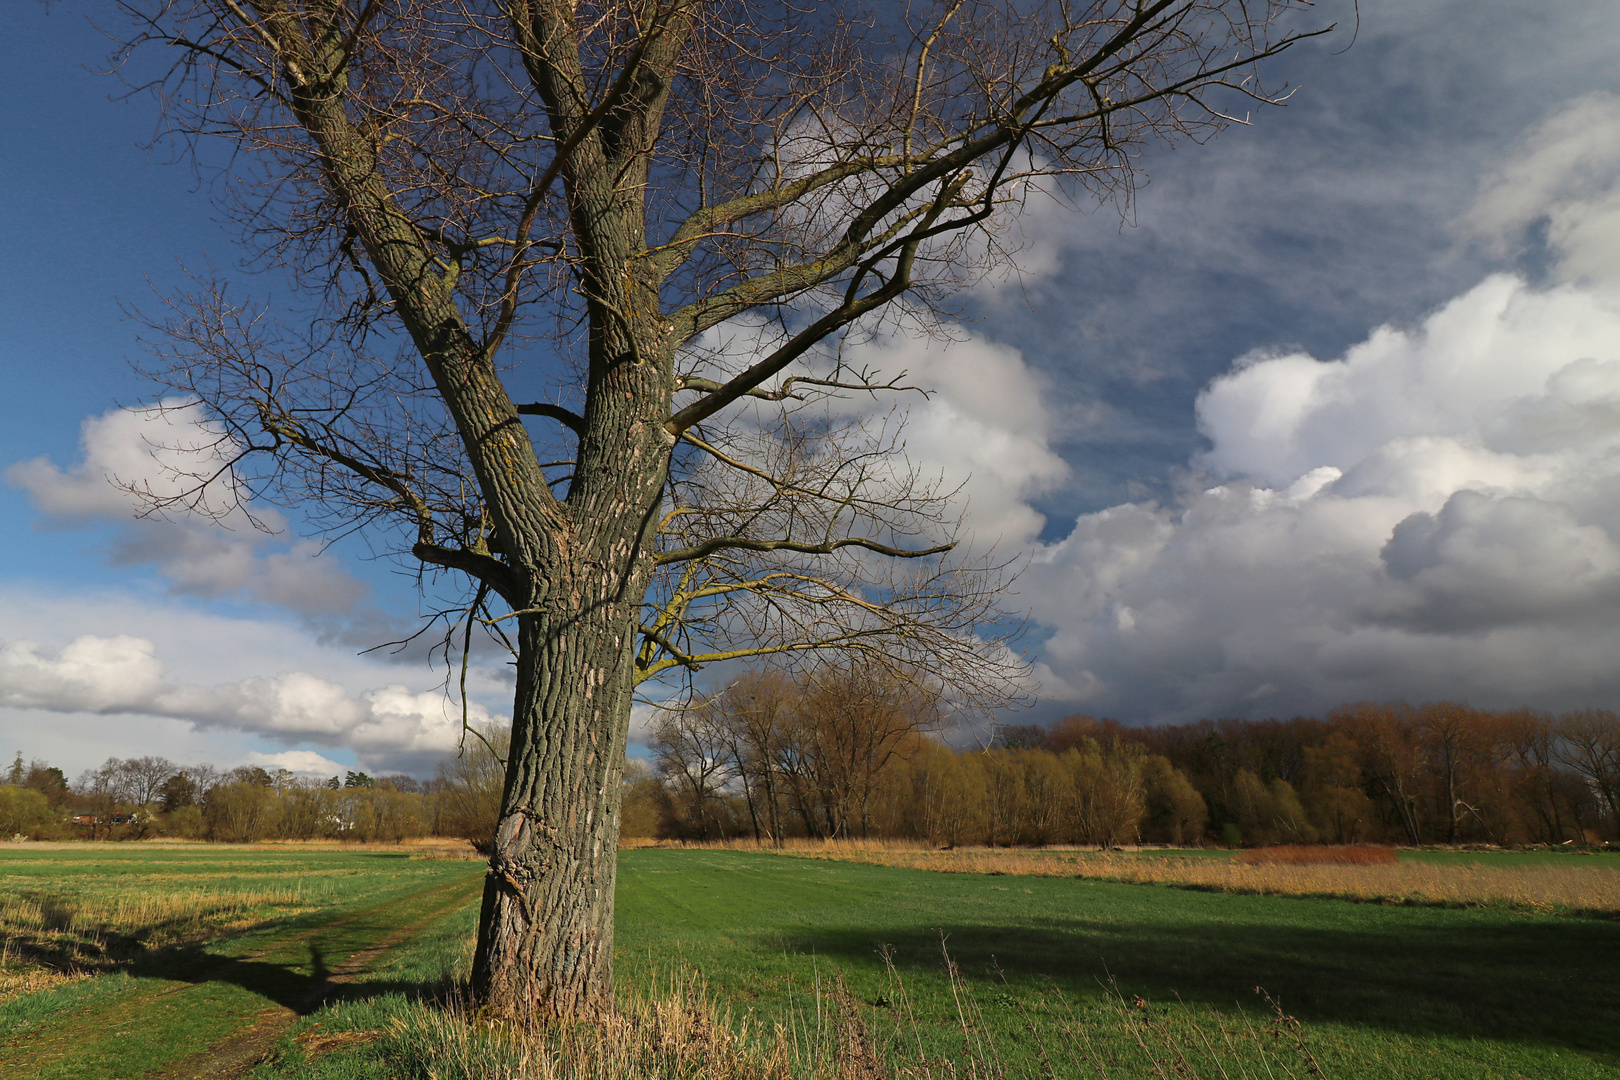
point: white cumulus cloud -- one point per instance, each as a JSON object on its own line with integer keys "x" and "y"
{"x": 985, "y": 427}
{"x": 123, "y": 676}
{"x": 1436, "y": 513}
{"x": 304, "y": 763}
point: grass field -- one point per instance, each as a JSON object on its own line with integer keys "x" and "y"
{"x": 238, "y": 945}
{"x": 1534, "y": 881}
{"x": 327, "y": 961}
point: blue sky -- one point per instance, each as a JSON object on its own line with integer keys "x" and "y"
{"x": 1331, "y": 416}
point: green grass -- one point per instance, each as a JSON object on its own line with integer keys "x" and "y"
{"x": 1382, "y": 990}
{"x": 157, "y": 1007}
{"x": 1428, "y": 991}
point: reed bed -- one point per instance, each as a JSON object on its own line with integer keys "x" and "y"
{"x": 1320, "y": 855}
{"x": 1585, "y": 889}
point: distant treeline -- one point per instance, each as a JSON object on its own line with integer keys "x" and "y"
{"x": 859, "y": 757}
{"x": 137, "y": 798}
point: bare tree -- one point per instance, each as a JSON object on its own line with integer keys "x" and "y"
{"x": 1448, "y": 730}
{"x": 469, "y": 786}
{"x": 753, "y": 716}
{"x": 141, "y": 779}
{"x": 848, "y": 726}
{"x": 650, "y": 229}
{"x": 691, "y": 749}
{"x": 1589, "y": 743}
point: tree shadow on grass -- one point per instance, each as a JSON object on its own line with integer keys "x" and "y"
{"x": 1550, "y": 982}
{"x": 300, "y": 987}
{"x": 332, "y": 957}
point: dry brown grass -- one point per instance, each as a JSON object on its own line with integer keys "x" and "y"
{"x": 1592, "y": 888}
{"x": 19, "y": 976}
{"x": 430, "y": 847}
{"x": 790, "y": 844}
{"x": 174, "y": 914}
{"x": 681, "y": 1034}
{"x": 60, "y": 936}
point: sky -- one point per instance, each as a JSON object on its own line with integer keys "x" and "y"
{"x": 1331, "y": 413}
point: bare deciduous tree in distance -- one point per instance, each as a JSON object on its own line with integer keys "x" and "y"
{"x": 649, "y": 229}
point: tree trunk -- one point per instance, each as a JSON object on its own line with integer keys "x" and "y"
{"x": 545, "y": 946}
{"x": 545, "y": 941}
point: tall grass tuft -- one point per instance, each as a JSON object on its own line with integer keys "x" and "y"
{"x": 679, "y": 1033}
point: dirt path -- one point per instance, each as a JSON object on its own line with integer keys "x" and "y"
{"x": 247, "y": 1047}
{"x": 244, "y": 1003}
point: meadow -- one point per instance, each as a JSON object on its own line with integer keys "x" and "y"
{"x": 333, "y": 965}
{"x": 1548, "y": 881}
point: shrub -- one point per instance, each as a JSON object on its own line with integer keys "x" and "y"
{"x": 23, "y": 811}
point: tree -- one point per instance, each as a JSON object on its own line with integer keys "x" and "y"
{"x": 469, "y": 786}
{"x": 255, "y": 775}
{"x": 697, "y": 204}
{"x": 645, "y": 803}
{"x": 1446, "y": 729}
{"x": 691, "y": 751}
{"x": 23, "y": 812}
{"x": 240, "y": 811}
{"x": 1386, "y": 740}
{"x": 754, "y": 714}
{"x": 1005, "y": 797}
{"x": 1175, "y": 812}
{"x": 141, "y": 779}
{"x": 845, "y": 729}
{"x": 96, "y": 794}
{"x": 1590, "y": 745}
{"x": 178, "y": 790}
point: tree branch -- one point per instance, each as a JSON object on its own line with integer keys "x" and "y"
{"x": 740, "y": 543}
{"x": 566, "y": 417}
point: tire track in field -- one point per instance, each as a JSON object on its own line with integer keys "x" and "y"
{"x": 245, "y": 1049}
{"x": 119, "y": 1018}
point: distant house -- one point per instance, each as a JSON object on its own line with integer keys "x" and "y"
{"x": 90, "y": 818}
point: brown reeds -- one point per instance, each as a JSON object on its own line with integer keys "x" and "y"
{"x": 1320, "y": 855}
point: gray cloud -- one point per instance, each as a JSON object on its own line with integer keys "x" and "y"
{"x": 226, "y": 554}
{"x": 1344, "y": 210}
{"x": 1431, "y": 514}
